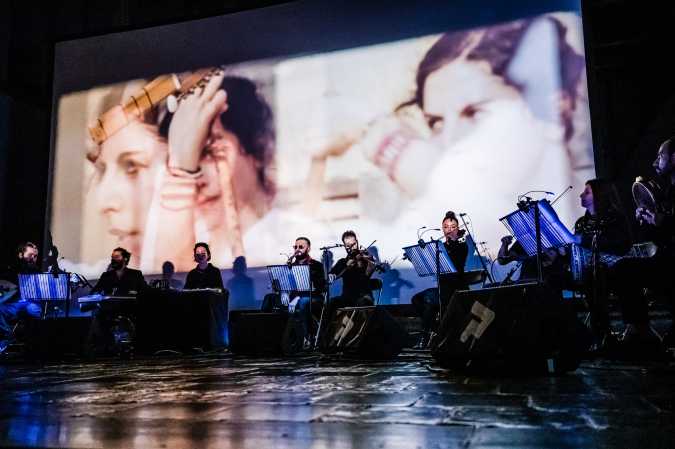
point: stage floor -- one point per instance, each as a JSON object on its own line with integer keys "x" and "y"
{"x": 226, "y": 401}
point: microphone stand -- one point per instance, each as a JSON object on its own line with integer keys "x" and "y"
{"x": 325, "y": 251}
{"x": 537, "y": 233}
{"x": 480, "y": 257}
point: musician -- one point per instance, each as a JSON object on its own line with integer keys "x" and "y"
{"x": 308, "y": 303}
{"x": 426, "y": 302}
{"x": 355, "y": 271}
{"x": 119, "y": 279}
{"x": 603, "y": 229}
{"x": 204, "y": 275}
{"x": 13, "y": 307}
{"x": 631, "y": 275}
{"x": 301, "y": 249}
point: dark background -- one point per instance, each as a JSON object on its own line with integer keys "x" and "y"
{"x": 629, "y": 46}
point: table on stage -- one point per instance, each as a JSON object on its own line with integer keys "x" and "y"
{"x": 171, "y": 319}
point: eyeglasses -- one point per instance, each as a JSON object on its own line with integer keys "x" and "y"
{"x": 298, "y": 247}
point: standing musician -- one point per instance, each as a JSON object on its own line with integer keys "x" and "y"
{"x": 631, "y": 275}
{"x": 426, "y": 302}
{"x": 355, "y": 271}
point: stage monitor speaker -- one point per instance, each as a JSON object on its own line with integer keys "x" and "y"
{"x": 364, "y": 332}
{"x": 56, "y": 337}
{"x": 525, "y": 328}
{"x": 256, "y": 333}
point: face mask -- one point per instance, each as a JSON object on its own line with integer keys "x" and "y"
{"x": 200, "y": 257}
{"x": 116, "y": 264}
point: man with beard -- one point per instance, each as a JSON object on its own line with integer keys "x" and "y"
{"x": 12, "y": 306}
{"x": 355, "y": 271}
{"x": 301, "y": 325}
{"x": 306, "y": 301}
{"x": 120, "y": 280}
{"x": 631, "y": 275}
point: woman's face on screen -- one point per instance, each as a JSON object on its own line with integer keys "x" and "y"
{"x": 123, "y": 182}
{"x": 493, "y": 147}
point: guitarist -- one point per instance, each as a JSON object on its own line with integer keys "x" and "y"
{"x": 12, "y": 307}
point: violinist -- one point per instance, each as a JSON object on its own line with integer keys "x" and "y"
{"x": 426, "y": 302}
{"x": 355, "y": 271}
{"x": 631, "y": 275}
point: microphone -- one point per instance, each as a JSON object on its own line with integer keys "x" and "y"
{"x": 421, "y": 241}
{"x": 418, "y": 231}
{"x": 462, "y": 214}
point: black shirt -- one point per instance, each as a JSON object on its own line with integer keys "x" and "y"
{"x": 458, "y": 251}
{"x": 355, "y": 282}
{"x": 663, "y": 234}
{"x": 612, "y": 230}
{"x": 316, "y": 276}
{"x": 110, "y": 284}
{"x": 12, "y": 273}
{"x": 207, "y": 278}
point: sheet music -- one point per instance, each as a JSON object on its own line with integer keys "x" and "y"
{"x": 424, "y": 259}
{"x": 43, "y": 286}
{"x": 522, "y": 226}
{"x": 293, "y": 278}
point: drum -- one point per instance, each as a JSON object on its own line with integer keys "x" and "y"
{"x": 647, "y": 194}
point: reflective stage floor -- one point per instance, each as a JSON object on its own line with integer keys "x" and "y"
{"x": 226, "y": 401}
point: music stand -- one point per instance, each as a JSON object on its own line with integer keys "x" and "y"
{"x": 423, "y": 257}
{"x": 430, "y": 259}
{"x": 293, "y": 278}
{"x": 536, "y": 226}
{"x": 45, "y": 287}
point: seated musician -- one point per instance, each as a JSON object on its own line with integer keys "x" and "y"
{"x": 355, "y": 271}
{"x": 119, "y": 279}
{"x": 12, "y": 306}
{"x": 307, "y": 304}
{"x": 426, "y": 302}
{"x": 605, "y": 229}
{"x": 631, "y": 275}
{"x": 602, "y": 228}
{"x": 204, "y": 275}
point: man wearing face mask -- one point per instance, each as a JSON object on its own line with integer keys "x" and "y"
{"x": 120, "y": 280}
{"x": 204, "y": 275}
{"x": 12, "y": 307}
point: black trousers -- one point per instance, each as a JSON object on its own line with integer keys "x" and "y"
{"x": 630, "y": 276}
{"x": 427, "y": 307}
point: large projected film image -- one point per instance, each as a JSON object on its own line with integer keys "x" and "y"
{"x": 381, "y": 139}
